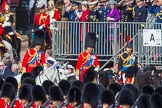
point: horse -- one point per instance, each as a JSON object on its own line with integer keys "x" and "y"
{"x": 54, "y": 73}
{"x": 107, "y": 77}
{"x": 5, "y": 47}
{"x": 149, "y": 76}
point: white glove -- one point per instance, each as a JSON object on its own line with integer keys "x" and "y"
{"x": 77, "y": 77}
{"x": 6, "y": 24}
{"x": 96, "y": 69}
{"x": 11, "y": 33}
{"x": 40, "y": 27}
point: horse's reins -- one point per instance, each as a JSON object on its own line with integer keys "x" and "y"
{"x": 41, "y": 73}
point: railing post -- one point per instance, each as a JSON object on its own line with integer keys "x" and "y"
{"x": 53, "y": 43}
{"x": 83, "y": 34}
{"x": 140, "y": 38}
{"x": 115, "y": 42}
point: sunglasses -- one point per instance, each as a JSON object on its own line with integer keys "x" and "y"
{"x": 1, "y": 65}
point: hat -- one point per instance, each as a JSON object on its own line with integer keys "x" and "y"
{"x": 133, "y": 89}
{"x": 46, "y": 85}
{"x": 129, "y": 45}
{"x": 56, "y": 93}
{"x": 74, "y": 95}
{"x": 1, "y": 82}
{"x": 38, "y": 93}
{"x": 29, "y": 80}
{"x": 115, "y": 87}
{"x": 90, "y": 94}
{"x": 41, "y": 4}
{"x": 13, "y": 81}
{"x": 8, "y": 90}
{"x": 90, "y": 40}
{"x": 25, "y": 92}
{"x": 65, "y": 86}
{"x": 111, "y": 2}
{"x": 156, "y": 101}
{"x": 143, "y": 101}
{"x": 25, "y": 75}
{"x": 126, "y": 97}
{"x": 76, "y": 2}
{"x": 84, "y": 2}
{"x": 89, "y": 75}
{"x": 6, "y": 55}
{"x": 77, "y": 83}
{"x": 50, "y": 62}
{"x": 147, "y": 89}
{"x": 101, "y": 89}
{"x": 107, "y": 97}
{"x": 17, "y": 58}
{"x": 39, "y": 36}
{"x": 159, "y": 90}
{"x": 139, "y": 0}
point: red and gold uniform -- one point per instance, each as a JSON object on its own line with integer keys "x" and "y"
{"x": 43, "y": 19}
{"x": 17, "y": 104}
{"x": 85, "y": 61}
{"x": 1, "y": 30}
{"x": 32, "y": 58}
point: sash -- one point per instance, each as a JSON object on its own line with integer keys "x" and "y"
{"x": 33, "y": 60}
{"x": 89, "y": 62}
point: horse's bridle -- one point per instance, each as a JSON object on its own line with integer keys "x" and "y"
{"x": 41, "y": 73}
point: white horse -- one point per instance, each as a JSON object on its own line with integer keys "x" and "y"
{"x": 54, "y": 73}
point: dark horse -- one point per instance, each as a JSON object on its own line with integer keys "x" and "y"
{"x": 107, "y": 77}
{"x": 149, "y": 76}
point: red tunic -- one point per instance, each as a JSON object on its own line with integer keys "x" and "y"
{"x": 56, "y": 15}
{"x": 4, "y": 105}
{"x": 83, "y": 61}
{"x": 32, "y": 58}
{"x": 1, "y": 30}
{"x": 43, "y": 20}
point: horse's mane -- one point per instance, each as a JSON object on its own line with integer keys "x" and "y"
{"x": 36, "y": 71}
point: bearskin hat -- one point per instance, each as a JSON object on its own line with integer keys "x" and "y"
{"x": 115, "y": 87}
{"x": 38, "y": 93}
{"x": 55, "y": 93}
{"x": 158, "y": 90}
{"x": 46, "y": 85}
{"x": 13, "y": 81}
{"x": 25, "y": 92}
{"x": 1, "y": 82}
{"x": 65, "y": 86}
{"x": 74, "y": 95}
{"x": 107, "y": 97}
{"x": 101, "y": 89}
{"x": 133, "y": 89}
{"x": 29, "y": 80}
{"x": 27, "y": 74}
{"x": 143, "y": 101}
{"x": 90, "y": 94}
{"x": 126, "y": 97}
{"x": 89, "y": 76}
{"x": 147, "y": 89}
{"x": 90, "y": 40}
{"x": 8, "y": 90}
{"x": 39, "y": 36}
{"x": 78, "y": 84}
{"x": 156, "y": 101}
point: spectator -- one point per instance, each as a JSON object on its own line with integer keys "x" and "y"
{"x": 140, "y": 11}
{"x": 113, "y": 16}
{"x": 5, "y": 71}
{"x": 14, "y": 70}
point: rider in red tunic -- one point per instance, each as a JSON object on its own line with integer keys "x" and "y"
{"x": 42, "y": 21}
{"x": 87, "y": 59}
{"x": 34, "y": 56}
